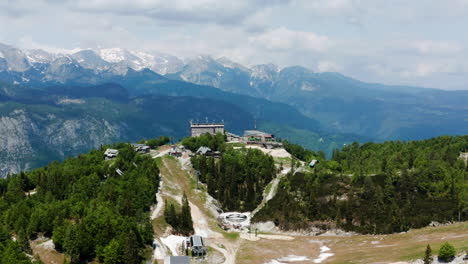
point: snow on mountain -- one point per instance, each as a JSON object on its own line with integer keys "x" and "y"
{"x": 230, "y": 64}
{"x": 265, "y": 72}
{"x": 115, "y": 55}
{"x": 39, "y": 56}
{"x": 201, "y": 69}
{"x": 138, "y": 60}
{"x": 91, "y": 60}
{"x": 15, "y": 58}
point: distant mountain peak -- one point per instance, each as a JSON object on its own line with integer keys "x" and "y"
{"x": 226, "y": 62}
{"x": 39, "y": 56}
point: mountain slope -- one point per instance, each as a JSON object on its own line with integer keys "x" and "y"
{"x": 341, "y": 103}
{"x": 56, "y": 124}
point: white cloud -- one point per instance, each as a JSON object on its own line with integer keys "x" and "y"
{"x": 329, "y": 66}
{"x": 284, "y": 39}
{"x": 406, "y": 42}
{"x": 326, "y": 4}
{"x": 424, "y": 69}
{"x": 180, "y": 11}
{"x": 437, "y": 47}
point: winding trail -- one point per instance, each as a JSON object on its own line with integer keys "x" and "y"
{"x": 175, "y": 180}
{"x": 272, "y": 191}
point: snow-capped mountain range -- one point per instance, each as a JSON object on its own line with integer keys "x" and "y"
{"x": 201, "y": 69}
{"x": 97, "y": 59}
{"x": 338, "y": 102}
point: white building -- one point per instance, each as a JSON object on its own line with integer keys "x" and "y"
{"x": 197, "y": 129}
{"x": 111, "y": 153}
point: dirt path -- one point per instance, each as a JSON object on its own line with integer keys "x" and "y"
{"x": 156, "y": 211}
{"x": 272, "y": 191}
{"x": 176, "y": 180}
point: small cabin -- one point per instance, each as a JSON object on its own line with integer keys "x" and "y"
{"x": 206, "y": 151}
{"x": 233, "y": 137}
{"x": 177, "y": 260}
{"x": 313, "y": 163}
{"x": 141, "y": 148}
{"x": 197, "y": 246}
{"x": 256, "y": 136}
{"x": 111, "y": 153}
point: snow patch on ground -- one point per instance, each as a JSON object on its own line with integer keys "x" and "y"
{"x": 288, "y": 259}
{"x": 275, "y": 262}
{"x": 324, "y": 254}
{"x": 173, "y": 242}
{"x": 294, "y": 258}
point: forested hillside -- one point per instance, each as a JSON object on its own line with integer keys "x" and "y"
{"x": 41, "y": 125}
{"x": 237, "y": 179}
{"x": 84, "y": 205}
{"x": 376, "y": 188}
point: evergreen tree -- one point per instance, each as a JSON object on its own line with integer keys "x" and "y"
{"x": 186, "y": 223}
{"x": 112, "y": 253}
{"x": 428, "y": 255}
{"x": 130, "y": 248}
{"x": 447, "y": 252}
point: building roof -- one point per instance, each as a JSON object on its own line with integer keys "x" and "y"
{"x": 177, "y": 260}
{"x": 256, "y": 133}
{"x": 203, "y": 150}
{"x": 197, "y": 241}
{"x": 312, "y": 163}
{"x": 119, "y": 172}
{"x": 111, "y": 151}
{"x": 206, "y": 125}
{"x": 139, "y": 145}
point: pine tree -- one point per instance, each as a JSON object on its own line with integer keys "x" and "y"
{"x": 170, "y": 215}
{"x": 186, "y": 223}
{"x": 428, "y": 255}
{"x": 130, "y": 248}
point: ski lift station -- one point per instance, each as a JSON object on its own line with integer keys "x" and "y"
{"x": 196, "y": 245}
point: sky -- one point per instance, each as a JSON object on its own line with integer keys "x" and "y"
{"x": 416, "y": 43}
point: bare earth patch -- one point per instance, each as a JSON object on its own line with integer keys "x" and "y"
{"x": 44, "y": 248}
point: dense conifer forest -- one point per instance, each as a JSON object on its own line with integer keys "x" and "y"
{"x": 375, "y": 188}
{"x": 237, "y": 178}
{"x": 84, "y": 205}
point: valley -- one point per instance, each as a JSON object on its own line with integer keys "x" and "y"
{"x": 319, "y": 110}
